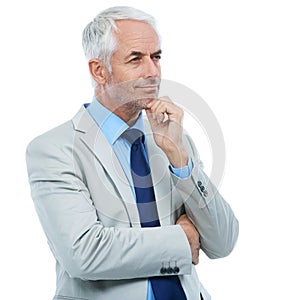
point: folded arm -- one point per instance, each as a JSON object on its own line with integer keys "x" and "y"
{"x": 79, "y": 241}
{"x": 206, "y": 208}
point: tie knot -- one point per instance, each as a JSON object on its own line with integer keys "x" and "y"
{"x": 134, "y": 136}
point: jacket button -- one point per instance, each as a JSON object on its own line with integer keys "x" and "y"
{"x": 199, "y": 183}
{"x": 202, "y": 188}
{"x": 170, "y": 270}
{"x": 163, "y": 270}
{"x": 176, "y": 270}
{"x": 205, "y": 193}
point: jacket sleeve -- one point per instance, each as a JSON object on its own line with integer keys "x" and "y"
{"x": 206, "y": 208}
{"x": 81, "y": 244}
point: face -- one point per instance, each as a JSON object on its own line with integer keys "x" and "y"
{"x": 135, "y": 76}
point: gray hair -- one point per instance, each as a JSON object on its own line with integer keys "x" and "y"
{"x": 98, "y": 40}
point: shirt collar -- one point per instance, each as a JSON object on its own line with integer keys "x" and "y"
{"x": 111, "y": 125}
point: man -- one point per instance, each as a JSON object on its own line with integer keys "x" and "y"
{"x": 122, "y": 198}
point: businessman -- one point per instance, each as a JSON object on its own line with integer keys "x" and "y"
{"x": 119, "y": 189}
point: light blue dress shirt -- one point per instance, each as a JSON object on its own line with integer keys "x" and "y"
{"x": 113, "y": 127}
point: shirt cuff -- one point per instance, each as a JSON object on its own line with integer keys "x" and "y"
{"x": 183, "y": 172}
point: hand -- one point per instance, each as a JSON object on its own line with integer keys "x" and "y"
{"x": 192, "y": 236}
{"x": 166, "y": 122}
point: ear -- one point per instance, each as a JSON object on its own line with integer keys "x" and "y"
{"x": 98, "y": 71}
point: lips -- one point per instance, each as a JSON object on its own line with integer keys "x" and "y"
{"x": 148, "y": 87}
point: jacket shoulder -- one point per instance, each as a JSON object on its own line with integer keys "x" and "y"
{"x": 58, "y": 136}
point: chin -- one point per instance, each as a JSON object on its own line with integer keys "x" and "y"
{"x": 134, "y": 107}
{"x": 144, "y": 102}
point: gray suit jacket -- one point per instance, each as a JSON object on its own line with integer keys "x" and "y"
{"x": 89, "y": 216}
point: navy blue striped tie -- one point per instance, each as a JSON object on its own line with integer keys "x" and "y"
{"x": 164, "y": 287}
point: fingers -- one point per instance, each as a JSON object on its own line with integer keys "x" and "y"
{"x": 158, "y": 109}
{"x": 155, "y": 117}
{"x": 195, "y": 248}
{"x": 183, "y": 219}
{"x": 192, "y": 236}
{"x": 195, "y": 252}
{"x": 162, "y": 109}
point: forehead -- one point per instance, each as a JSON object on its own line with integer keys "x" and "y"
{"x": 136, "y": 36}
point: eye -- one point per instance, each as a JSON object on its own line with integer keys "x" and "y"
{"x": 135, "y": 59}
{"x": 156, "y": 57}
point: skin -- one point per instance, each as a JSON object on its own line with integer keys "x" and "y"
{"x": 133, "y": 85}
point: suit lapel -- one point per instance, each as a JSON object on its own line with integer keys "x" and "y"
{"x": 95, "y": 140}
{"x": 159, "y": 165}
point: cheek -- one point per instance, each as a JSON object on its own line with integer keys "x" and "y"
{"x": 128, "y": 73}
{"x": 120, "y": 74}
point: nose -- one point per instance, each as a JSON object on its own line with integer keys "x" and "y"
{"x": 151, "y": 68}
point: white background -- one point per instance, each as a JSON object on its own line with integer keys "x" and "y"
{"x": 242, "y": 57}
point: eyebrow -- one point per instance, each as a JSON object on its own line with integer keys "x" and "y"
{"x": 138, "y": 53}
{"x": 158, "y": 52}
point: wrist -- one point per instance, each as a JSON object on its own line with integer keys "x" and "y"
{"x": 178, "y": 158}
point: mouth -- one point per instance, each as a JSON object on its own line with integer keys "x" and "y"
{"x": 148, "y": 88}
{"x": 154, "y": 86}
